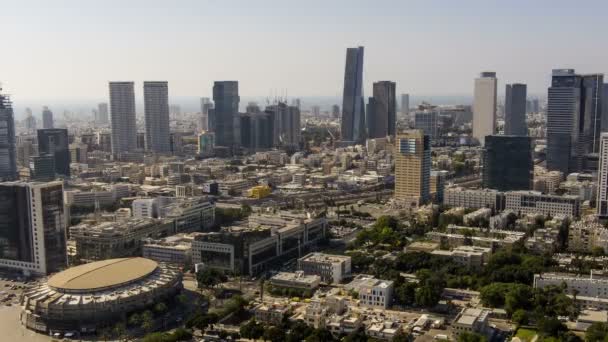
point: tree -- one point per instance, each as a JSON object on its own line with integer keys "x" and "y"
{"x": 134, "y": 319}
{"x": 160, "y": 308}
{"x": 274, "y": 334}
{"x": 401, "y": 336}
{"x": 597, "y": 332}
{"x": 252, "y": 330}
{"x": 550, "y": 326}
{"x": 426, "y": 296}
{"x": 320, "y": 335}
{"x": 181, "y": 334}
{"x": 210, "y": 277}
{"x": 520, "y": 317}
{"x": 471, "y": 337}
{"x": 147, "y": 321}
{"x": 119, "y": 330}
{"x": 405, "y": 293}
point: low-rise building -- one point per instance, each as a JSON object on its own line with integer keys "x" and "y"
{"x": 297, "y": 280}
{"x": 472, "y": 257}
{"x": 486, "y": 198}
{"x": 175, "y": 249}
{"x": 375, "y": 293}
{"x": 331, "y": 268}
{"x": 270, "y": 313}
{"x": 586, "y": 234}
{"x": 585, "y": 286}
{"x": 534, "y": 202}
{"x": 471, "y": 320}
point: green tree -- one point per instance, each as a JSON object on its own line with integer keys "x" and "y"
{"x": 597, "y": 332}
{"x": 520, "y": 317}
{"x": 147, "y": 321}
{"x": 134, "y": 319}
{"x": 160, "y": 308}
{"x": 471, "y": 337}
{"x": 426, "y": 296}
{"x": 119, "y": 330}
{"x": 210, "y": 277}
{"x": 273, "y": 334}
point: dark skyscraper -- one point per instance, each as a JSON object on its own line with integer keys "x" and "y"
{"x": 225, "y": 121}
{"x": 574, "y": 114}
{"x": 353, "y": 111}
{"x": 257, "y": 131}
{"x": 32, "y": 227}
{"x": 47, "y": 118}
{"x": 382, "y": 118}
{"x": 54, "y": 142}
{"x": 507, "y": 163}
{"x": 156, "y": 108}
{"x": 515, "y": 110}
{"x": 8, "y": 150}
{"x": 102, "y": 113}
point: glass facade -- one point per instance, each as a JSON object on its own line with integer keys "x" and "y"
{"x": 16, "y": 241}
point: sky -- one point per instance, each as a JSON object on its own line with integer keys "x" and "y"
{"x": 68, "y": 50}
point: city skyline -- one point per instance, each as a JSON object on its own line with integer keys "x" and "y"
{"x": 78, "y": 63}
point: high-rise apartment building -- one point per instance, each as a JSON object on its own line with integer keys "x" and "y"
{"x": 335, "y": 111}
{"x": 285, "y": 124}
{"x": 225, "y": 116}
{"x": 122, "y": 111}
{"x": 507, "y": 163}
{"x": 54, "y": 142}
{"x": 353, "y": 111}
{"x": 256, "y": 131}
{"x": 102, "y": 113}
{"x": 602, "y": 178}
{"x": 515, "y": 110}
{"x": 8, "y": 151}
{"x": 32, "y": 227}
{"x": 574, "y": 113}
{"x": 412, "y": 167}
{"x": 484, "y": 106}
{"x": 405, "y": 104}
{"x": 47, "y": 118}
{"x": 381, "y": 116}
{"x": 156, "y": 109}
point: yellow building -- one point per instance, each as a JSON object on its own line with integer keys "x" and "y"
{"x": 412, "y": 167}
{"x": 259, "y": 191}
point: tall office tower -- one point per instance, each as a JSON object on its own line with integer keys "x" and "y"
{"x": 405, "y": 104}
{"x": 574, "y": 113}
{"x": 156, "y": 109}
{"x": 30, "y": 121}
{"x": 285, "y": 124}
{"x": 225, "y": 114}
{"x": 253, "y": 107}
{"x": 316, "y": 111}
{"x": 412, "y": 167}
{"x": 602, "y": 178}
{"x": 256, "y": 131}
{"x": 8, "y": 152}
{"x": 42, "y": 168}
{"x": 428, "y": 121}
{"x": 32, "y": 227}
{"x": 205, "y": 106}
{"x": 47, "y": 118}
{"x": 335, "y": 111}
{"x": 296, "y": 103}
{"x": 515, "y": 110}
{"x": 54, "y": 142}
{"x": 382, "y": 120}
{"x": 484, "y": 106}
{"x": 122, "y": 111}
{"x": 535, "y": 106}
{"x": 508, "y": 163}
{"x": 604, "y": 127}
{"x": 353, "y": 111}
{"x": 102, "y": 113}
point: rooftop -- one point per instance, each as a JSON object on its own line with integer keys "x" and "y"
{"x": 102, "y": 274}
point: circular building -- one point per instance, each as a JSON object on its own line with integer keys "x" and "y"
{"x": 82, "y": 297}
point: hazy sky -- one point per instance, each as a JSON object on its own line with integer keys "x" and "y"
{"x": 71, "y": 49}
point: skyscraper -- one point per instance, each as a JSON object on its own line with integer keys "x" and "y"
{"x": 335, "y": 111}
{"x": 256, "y": 131}
{"x": 286, "y": 124}
{"x": 381, "y": 120}
{"x": 602, "y": 178}
{"x": 47, "y": 118}
{"x": 206, "y": 105}
{"x": 8, "y": 152}
{"x": 225, "y": 114}
{"x": 102, "y": 113}
{"x": 54, "y": 142}
{"x": 427, "y": 120}
{"x": 32, "y": 227}
{"x": 405, "y": 104}
{"x": 122, "y": 111}
{"x": 515, "y": 110}
{"x": 412, "y": 167}
{"x": 507, "y": 163}
{"x": 353, "y": 111}
{"x": 574, "y": 113}
{"x": 156, "y": 108}
{"x": 484, "y": 106}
